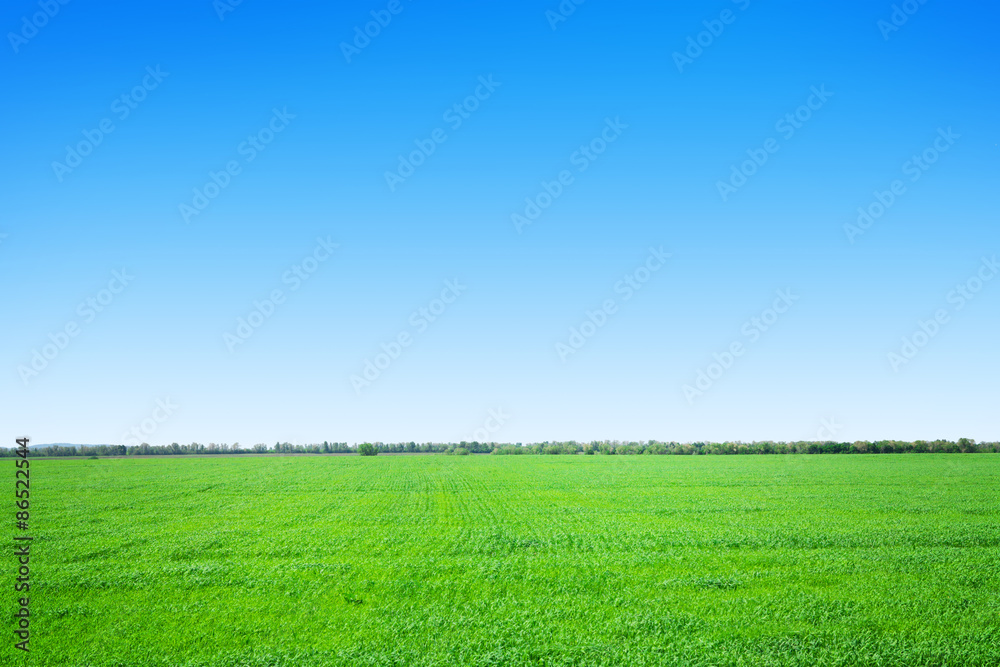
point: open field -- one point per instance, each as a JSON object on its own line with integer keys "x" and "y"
{"x": 519, "y": 560}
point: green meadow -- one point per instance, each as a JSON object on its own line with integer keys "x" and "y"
{"x": 513, "y": 560}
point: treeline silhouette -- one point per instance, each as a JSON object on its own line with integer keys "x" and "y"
{"x": 601, "y": 447}
{"x": 175, "y": 449}
{"x": 963, "y": 445}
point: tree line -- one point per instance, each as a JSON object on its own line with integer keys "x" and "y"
{"x": 600, "y": 447}
{"x": 962, "y": 445}
{"x": 194, "y": 448}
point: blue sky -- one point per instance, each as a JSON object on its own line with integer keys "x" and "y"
{"x": 642, "y": 138}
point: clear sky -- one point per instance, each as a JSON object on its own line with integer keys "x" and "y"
{"x": 590, "y": 204}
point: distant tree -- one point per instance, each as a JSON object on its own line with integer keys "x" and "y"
{"x": 367, "y": 449}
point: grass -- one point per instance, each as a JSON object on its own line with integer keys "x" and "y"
{"x": 487, "y": 560}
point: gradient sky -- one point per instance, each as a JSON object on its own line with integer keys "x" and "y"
{"x": 823, "y": 365}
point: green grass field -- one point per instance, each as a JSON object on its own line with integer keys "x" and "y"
{"x": 517, "y": 560}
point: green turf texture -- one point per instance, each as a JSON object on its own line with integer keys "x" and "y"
{"x": 516, "y": 560}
